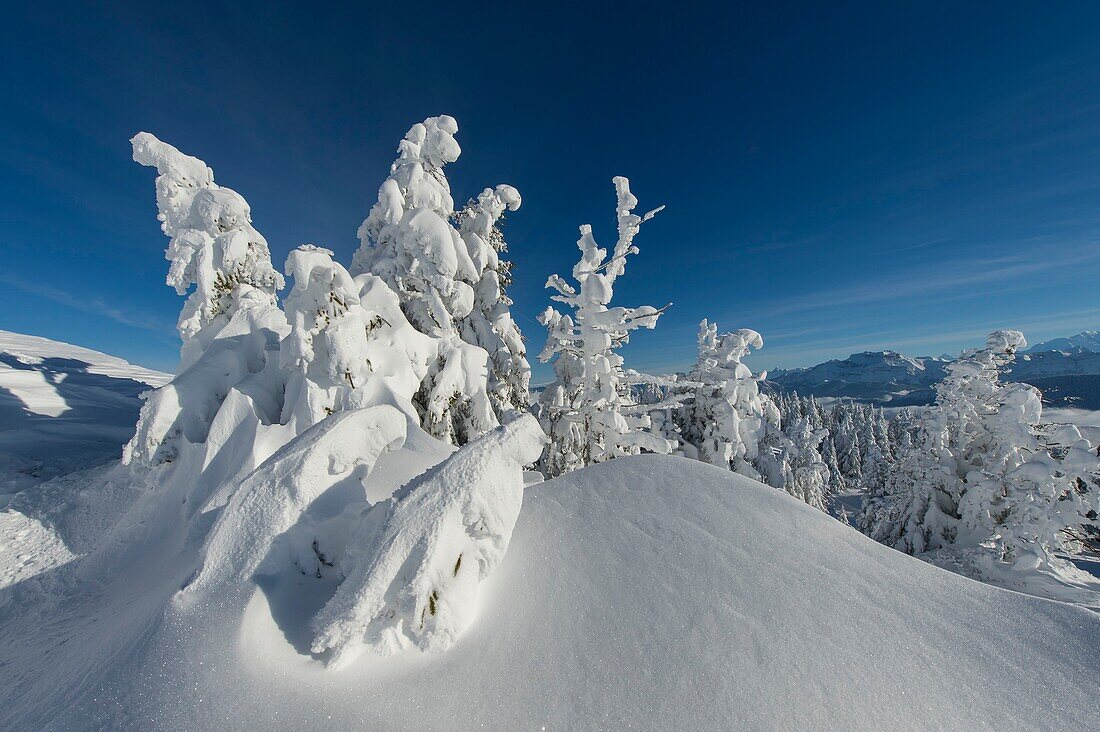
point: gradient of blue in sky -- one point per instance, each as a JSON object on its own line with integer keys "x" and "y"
{"x": 840, "y": 176}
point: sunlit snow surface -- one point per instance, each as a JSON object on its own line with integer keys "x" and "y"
{"x": 648, "y": 592}
{"x": 63, "y": 408}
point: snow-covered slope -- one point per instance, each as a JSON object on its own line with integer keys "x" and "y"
{"x": 63, "y": 408}
{"x": 648, "y": 592}
{"x": 877, "y": 376}
{"x": 1084, "y": 342}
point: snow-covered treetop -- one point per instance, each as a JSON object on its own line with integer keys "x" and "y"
{"x": 213, "y": 243}
{"x": 408, "y": 240}
{"x": 723, "y": 353}
{"x": 323, "y": 292}
{"x": 416, "y": 181}
{"x": 597, "y": 285}
{"x": 478, "y": 224}
{"x": 489, "y": 324}
{"x": 972, "y": 388}
{"x": 1007, "y": 342}
{"x": 629, "y": 224}
{"x": 596, "y": 276}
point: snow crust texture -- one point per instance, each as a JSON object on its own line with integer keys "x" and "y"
{"x": 27, "y": 548}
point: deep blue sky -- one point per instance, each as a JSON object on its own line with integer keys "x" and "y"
{"x": 841, "y": 177}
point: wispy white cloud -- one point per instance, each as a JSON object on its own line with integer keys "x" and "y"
{"x": 936, "y": 278}
{"x": 94, "y": 304}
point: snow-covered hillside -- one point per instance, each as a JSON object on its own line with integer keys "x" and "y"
{"x": 1046, "y": 364}
{"x": 63, "y": 408}
{"x": 326, "y": 518}
{"x": 648, "y": 592}
{"x": 1068, "y": 378}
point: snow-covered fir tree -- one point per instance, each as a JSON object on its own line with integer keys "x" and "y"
{"x": 846, "y": 439}
{"x": 586, "y": 410}
{"x": 727, "y": 422}
{"x": 409, "y": 242}
{"x": 490, "y": 324}
{"x": 808, "y": 474}
{"x": 880, "y": 433}
{"x": 980, "y": 485}
{"x": 230, "y": 325}
{"x": 1052, "y": 493}
{"x": 874, "y": 467}
{"x": 214, "y": 248}
{"x": 828, "y": 455}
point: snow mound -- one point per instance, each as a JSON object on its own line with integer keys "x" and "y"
{"x": 342, "y": 448}
{"x": 647, "y": 592}
{"x": 63, "y": 408}
{"x": 413, "y": 573}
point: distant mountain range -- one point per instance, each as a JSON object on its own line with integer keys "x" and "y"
{"x": 1085, "y": 342}
{"x": 1067, "y": 370}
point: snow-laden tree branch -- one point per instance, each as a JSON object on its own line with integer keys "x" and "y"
{"x": 213, "y": 246}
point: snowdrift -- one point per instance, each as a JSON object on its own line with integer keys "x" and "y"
{"x": 647, "y": 592}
